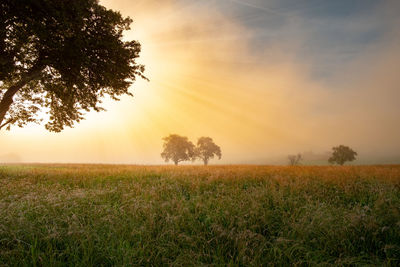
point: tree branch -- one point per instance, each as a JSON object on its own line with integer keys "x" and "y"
{"x": 7, "y": 99}
{"x": 7, "y": 122}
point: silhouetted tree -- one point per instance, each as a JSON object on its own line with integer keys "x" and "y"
{"x": 63, "y": 56}
{"x": 206, "y": 149}
{"x": 341, "y": 154}
{"x": 178, "y": 148}
{"x": 295, "y": 159}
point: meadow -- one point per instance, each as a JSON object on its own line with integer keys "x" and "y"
{"x": 104, "y": 215}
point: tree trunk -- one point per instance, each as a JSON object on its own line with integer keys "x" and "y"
{"x": 205, "y": 162}
{"x": 7, "y": 99}
{"x": 176, "y": 163}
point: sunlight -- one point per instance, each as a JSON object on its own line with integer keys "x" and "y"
{"x": 253, "y": 132}
{"x": 259, "y": 102}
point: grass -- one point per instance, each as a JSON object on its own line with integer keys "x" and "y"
{"x": 93, "y": 215}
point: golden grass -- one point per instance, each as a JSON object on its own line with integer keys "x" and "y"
{"x": 59, "y": 214}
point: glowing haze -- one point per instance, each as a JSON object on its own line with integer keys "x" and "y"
{"x": 262, "y": 78}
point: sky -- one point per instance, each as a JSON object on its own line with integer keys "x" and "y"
{"x": 263, "y": 78}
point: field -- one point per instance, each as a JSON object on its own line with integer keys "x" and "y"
{"x": 92, "y": 215}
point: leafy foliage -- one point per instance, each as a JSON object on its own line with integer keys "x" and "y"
{"x": 206, "y": 149}
{"x": 178, "y": 148}
{"x": 63, "y": 57}
{"x": 341, "y": 154}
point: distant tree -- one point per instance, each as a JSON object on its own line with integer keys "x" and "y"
{"x": 295, "y": 159}
{"x": 62, "y": 56}
{"x": 206, "y": 149}
{"x": 178, "y": 148}
{"x": 341, "y": 154}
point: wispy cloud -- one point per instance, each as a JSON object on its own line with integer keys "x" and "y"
{"x": 253, "y": 87}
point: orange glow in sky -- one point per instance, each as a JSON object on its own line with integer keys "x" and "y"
{"x": 258, "y": 101}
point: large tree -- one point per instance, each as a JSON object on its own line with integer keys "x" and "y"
{"x": 62, "y": 56}
{"x": 341, "y": 154}
{"x": 206, "y": 149}
{"x": 178, "y": 148}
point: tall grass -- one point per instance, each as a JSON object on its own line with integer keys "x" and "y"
{"x": 91, "y": 215}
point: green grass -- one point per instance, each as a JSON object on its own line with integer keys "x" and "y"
{"x": 92, "y": 215}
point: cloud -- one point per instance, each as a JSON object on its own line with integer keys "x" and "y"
{"x": 259, "y": 102}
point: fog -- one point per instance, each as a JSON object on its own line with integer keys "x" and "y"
{"x": 213, "y": 73}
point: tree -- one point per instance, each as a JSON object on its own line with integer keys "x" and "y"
{"x": 62, "y": 57}
{"x": 178, "y": 148}
{"x": 206, "y": 149}
{"x": 341, "y": 154}
{"x": 295, "y": 159}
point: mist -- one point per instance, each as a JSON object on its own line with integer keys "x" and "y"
{"x": 261, "y": 95}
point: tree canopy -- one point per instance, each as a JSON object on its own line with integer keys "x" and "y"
{"x": 206, "y": 149}
{"x": 62, "y": 56}
{"x": 341, "y": 154}
{"x": 178, "y": 148}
